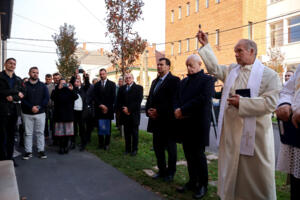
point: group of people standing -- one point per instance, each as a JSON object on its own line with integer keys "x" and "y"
{"x": 178, "y": 111}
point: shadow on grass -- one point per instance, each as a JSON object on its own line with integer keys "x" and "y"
{"x": 133, "y": 167}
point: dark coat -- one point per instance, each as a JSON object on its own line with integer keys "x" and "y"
{"x": 63, "y": 104}
{"x": 6, "y": 107}
{"x": 105, "y": 96}
{"x": 194, "y": 98}
{"x": 162, "y": 101}
{"x": 131, "y": 99}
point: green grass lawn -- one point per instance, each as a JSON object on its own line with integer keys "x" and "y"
{"x": 133, "y": 167}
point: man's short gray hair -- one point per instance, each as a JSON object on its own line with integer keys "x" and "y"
{"x": 194, "y": 57}
{"x": 250, "y": 44}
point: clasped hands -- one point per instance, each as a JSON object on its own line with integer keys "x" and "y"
{"x": 285, "y": 111}
{"x": 10, "y": 98}
{"x": 125, "y": 110}
{"x": 103, "y": 108}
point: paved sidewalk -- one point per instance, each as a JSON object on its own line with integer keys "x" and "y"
{"x": 75, "y": 176}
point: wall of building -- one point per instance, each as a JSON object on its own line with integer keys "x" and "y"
{"x": 223, "y": 16}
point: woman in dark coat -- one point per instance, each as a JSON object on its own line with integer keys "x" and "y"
{"x": 63, "y": 97}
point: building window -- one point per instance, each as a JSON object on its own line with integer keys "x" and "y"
{"x": 187, "y": 45}
{"x": 172, "y": 49}
{"x": 197, "y": 6}
{"x": 207, "y": 4}
{"x": 218, "y": 1}
{"x": 217, "y": 37}
{"x": 188, "y": 9}
{"x": 179, "y": 46}
{"x": 274, "y": 1}
{"x": 196, "y": 43}
{"x": 294, "y": 29}
{"x": 172, "y": 16}
{"x": 179, "y": 12}
{"x": 276, "y": 34}
{"x": 250, "y": 30}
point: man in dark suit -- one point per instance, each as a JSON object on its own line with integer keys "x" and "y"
{"x": 193, "y": 110}
{"x": 104, "y": 98}
{"x": 160, "y": 111}
{"x": 129, "y": 101}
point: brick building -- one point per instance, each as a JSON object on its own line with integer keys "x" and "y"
{"x": 226, "y": 21}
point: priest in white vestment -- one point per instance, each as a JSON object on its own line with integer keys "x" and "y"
{"x": 246, "y": 166}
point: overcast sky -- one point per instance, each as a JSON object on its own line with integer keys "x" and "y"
{"x": 39, "y": 19}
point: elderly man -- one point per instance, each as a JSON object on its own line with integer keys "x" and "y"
{"x": 129, "y": 101}
{"x": 193, "y": 110}
{"x": 245, "y": 134}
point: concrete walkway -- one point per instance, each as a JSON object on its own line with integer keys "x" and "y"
{"x": 75, "y": 176}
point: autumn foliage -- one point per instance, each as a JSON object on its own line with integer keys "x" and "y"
{"x": 66, "y": 47}
{"x": 127, "y": 45}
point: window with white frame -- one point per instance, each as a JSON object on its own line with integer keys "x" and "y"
{"x": 206, "y": 3}
{"x": 217, "y": 37}
{"x": 250, "y": 30}
{"x": 197, "y": 6}
{"x": 276, "y": 31}
{"x": 188, "y": 6}
{"x": 187, "y": 45}
{"x": 196, "y": 43}
{"x": 294, "y": 29}
{"x": 172, "y": 16}
{"x": 179, "y": 12}
{"x": 172, "y": 49}
{"x": 179, "y": 46}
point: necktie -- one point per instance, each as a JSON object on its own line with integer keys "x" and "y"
{"x": 127, "y": 88}
{"x": 158, "y": 84}
{"x": 102, "y": 84}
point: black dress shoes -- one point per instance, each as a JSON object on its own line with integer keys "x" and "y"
{"x": 72, "y": 146}
{"x": 133, "y": 153}
{"x": 169, "y": 178}
{"x": 200, "y": 193}
{"x": 158, "y": 176}
{"x": 185, "y": 188}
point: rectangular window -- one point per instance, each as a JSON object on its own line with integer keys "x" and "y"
{"x": 197, "y": 6}
{"x": 207, "y": 4}
{"x": 179, "y": 46}
{"x": 187, "y": 45}
{"x": 196, "y": 43}
{"x": 294, "y": 29}
{"x": 188, "y": 9}
{"x": 276, "y": 34}
{"x": 172, "y": 16}
{"x": 250, "y": 30}
{"x": 172, "y": 49}
{"x": 217, "y": 37}
{"x": 217, "y": 1}
{"x": 179, "y": 12}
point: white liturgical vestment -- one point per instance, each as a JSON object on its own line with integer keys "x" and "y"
{"x": 242, "y": 177}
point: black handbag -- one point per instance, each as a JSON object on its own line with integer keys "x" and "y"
{"x": 289, "y": 134}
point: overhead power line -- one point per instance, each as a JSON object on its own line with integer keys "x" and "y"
{"x": 32, "y": 21}
{"x": 47, "y": 40}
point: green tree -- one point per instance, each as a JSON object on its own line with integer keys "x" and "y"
{"x": 66, "y": 46}
{"x": 127, "y": 44}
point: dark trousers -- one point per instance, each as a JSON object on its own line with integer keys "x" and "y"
{"x": 162, "y": 142}
{"x": 63, "y": 142}
{"x": 79, "y": 124}
{"x": 103, "y": 140}
{"x": 131, "y": 133}
{"x": 7, "y": 136}
{"x": 196, "y": 162}
{"x": 49, "y": 125}
{"x": 90, "y": 124}
{"x": 295, "y": 188}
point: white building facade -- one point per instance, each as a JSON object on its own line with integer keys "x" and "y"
{"x": 283, "y": 30}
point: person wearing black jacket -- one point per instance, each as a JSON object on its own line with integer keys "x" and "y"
{"x": 160, "y": 111}
{"x": 193, "y": 110}
{"x": 104, "y": 98}
{"x": 11, "y": 92}
{"x": 129, "y": 101}
{"x": 80, "y": 108}
{"x": 33, "y": 112}
{"x": 64, "y": 97}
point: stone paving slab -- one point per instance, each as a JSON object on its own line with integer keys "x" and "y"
{"x": 75, "y": 176}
